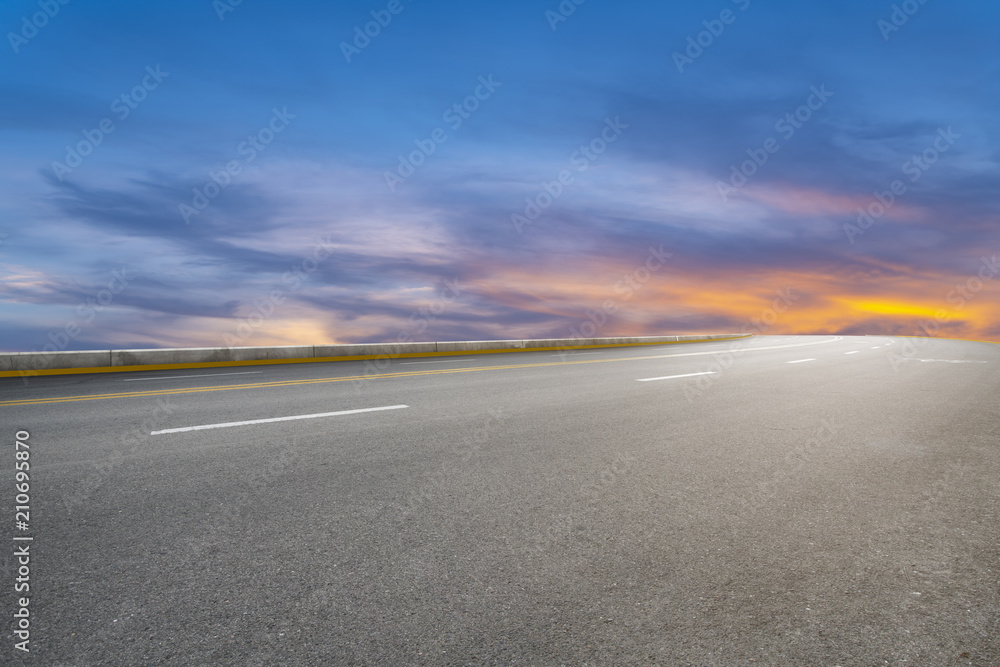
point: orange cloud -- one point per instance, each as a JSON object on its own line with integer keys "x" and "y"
{"x": 763, "y": 300}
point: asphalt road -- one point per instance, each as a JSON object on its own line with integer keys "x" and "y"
{"x": 812, "y": 501}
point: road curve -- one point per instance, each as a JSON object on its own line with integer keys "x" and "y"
{"x": 790, "y": 500}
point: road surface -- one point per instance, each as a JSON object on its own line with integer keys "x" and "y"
{"x": 782, "y": 500}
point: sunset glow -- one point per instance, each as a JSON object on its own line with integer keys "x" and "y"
{"x": 476, "y": 172}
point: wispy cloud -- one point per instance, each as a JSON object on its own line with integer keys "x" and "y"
{"x": 386, "y": 255}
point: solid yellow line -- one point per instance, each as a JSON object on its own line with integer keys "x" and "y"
{"x": 290, "y": 383}
{"x": 313, "y": 360}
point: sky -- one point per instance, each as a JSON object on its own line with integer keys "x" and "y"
{"x": 230, "y": 173}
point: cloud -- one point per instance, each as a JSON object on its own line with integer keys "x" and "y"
{"x": 386, "y": 255}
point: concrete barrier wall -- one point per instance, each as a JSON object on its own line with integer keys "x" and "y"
{"x": 203, "y": 355}
{"x": 480, "y": 345}
{"x": 13, "y": 363}
{"x": 23, "y": 361}
{"x": 321, "y": 351}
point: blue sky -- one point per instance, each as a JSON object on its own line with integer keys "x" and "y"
{"x": 317, "y": 233}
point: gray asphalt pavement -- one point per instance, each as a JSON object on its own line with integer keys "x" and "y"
{"x": 801, "y": 500}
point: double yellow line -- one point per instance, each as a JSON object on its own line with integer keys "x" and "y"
{"x": 377, "y": 376}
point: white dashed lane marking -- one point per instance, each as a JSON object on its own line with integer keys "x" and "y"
{"x": 671, "y": 377}
{"x": 276, "y": 419}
